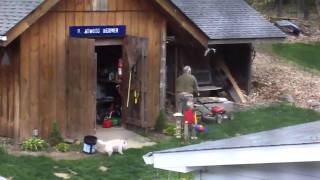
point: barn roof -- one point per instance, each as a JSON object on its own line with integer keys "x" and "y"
{"x": 214, "y": 19}
{"x": 13, "y": 11}
{"x": 228, "y": 19}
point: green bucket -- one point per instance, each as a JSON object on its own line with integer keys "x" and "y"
{"x": 116, "y": 121}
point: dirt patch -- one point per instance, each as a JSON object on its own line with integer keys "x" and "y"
{"x": 315, "y": 37}
{"x": 274, "y": 78}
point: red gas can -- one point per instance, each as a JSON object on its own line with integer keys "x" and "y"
{"x": 107, "y": 123}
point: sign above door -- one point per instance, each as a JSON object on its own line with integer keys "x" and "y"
{"x": 97, "y": 31}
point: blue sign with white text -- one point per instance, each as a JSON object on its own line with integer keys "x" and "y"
{"x": 97, "y": 31}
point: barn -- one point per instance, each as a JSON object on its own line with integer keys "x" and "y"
{"x": 66, "y": 60}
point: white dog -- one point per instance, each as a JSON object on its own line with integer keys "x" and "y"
{"x": 117, "y": 145}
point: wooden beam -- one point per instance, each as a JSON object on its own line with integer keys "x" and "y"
{"x": 183, "y": 21}
{"x": 23, "y": 25}
{"x": 163, "y": 67}
{"x": 233, "y": 81}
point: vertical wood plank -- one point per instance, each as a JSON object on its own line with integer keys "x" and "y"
{"x": 3, "y": 86}
{"x": 44, "y": 82}
{"x": 127, "y": 21}
{"x": 25, "y": 130}
{"x": 53, "y": 59}
{"x": 111, "y": 18}
{"x": 70, "y": 21}
{"x": 34, "y": 77}
{"x": 119, "y": 18}
{"x": 61, "y": 116}
{"x": 13, "y": 51}
{"x": 112, "y": 5}
{"x": 17, "y": 71}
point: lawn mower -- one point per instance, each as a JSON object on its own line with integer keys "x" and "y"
{"x": 211, "y": 113}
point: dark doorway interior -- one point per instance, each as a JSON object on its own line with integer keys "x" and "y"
{"x": 109, "y": 101}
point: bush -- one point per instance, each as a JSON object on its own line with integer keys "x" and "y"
{"x": 2, "y": 149}
{"x": 170, "y": 130}
{"x": 34, "y": 144}
{"x": 55, "y": 135}
{"x": 63, "y": 147}
{"x": 161, "y": 121}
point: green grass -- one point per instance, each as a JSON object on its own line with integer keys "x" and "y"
{"x": 306, "y": 55}
{"x": 128, "y": 166}
{"x": 261, "y": 119}
{"x": 131, "y": 166}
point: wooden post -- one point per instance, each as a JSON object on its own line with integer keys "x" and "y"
{"x": 163, "y": 70}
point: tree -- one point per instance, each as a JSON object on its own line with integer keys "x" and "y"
{"x": 279, "y": 7}
{"x": 304, "y": 8}
{"x": 317, "y": 2}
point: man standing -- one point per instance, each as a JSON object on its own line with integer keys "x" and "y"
{"x": 186, "y": 85}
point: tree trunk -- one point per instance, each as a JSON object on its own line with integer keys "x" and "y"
{"x": 317, "y": 2}
{"x": 304, "y": 8}
{"x": 279, "y": 8}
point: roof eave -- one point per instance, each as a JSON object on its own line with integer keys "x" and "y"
{"x": 24, "y": 24}
{"x": 246, "y": 40}
{"x": 176, "y": 161}
{"x": 3, "y": 39}
{"x": 184, "y": 21}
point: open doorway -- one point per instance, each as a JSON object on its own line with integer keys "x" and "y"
{"x": 109, "y": 77}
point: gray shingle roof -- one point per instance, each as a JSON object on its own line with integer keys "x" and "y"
{"x": 308, "y": 133}
{"x": 218, "y": 19}
{"x": 228, "y": 19}
{"x": 13, "y": 11}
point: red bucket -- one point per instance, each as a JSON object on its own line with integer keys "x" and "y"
{"x": 107, "y": 123}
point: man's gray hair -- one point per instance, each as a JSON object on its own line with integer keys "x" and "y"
{"x": 187, "y": 69}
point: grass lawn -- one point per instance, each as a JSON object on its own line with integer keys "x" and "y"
{"x": 306, "y": 55}
{"x": 131, "y": 165}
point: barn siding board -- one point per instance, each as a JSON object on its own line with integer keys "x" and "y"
{"x": 44, "y": 59}
{"x": 14, "y": 51}
{"x": 34, "y": 78}
{"x": 45, "y": 79}
{"x": 7, "y": 92}
{"x": 3, "y": 100}
{"x": 61, "y": 74}
{"x": 16, "y": 74}
{"x": 25, "y": 85}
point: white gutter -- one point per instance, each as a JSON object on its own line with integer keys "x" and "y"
{"x": 148, "y": 158}
{"x": 3, "y": 38}
{"x": 188, "y": 161}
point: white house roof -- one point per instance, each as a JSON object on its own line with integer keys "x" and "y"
{"x": 300, "y": 143}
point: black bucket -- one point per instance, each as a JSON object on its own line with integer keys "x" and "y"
{"x": 89, "y": 144}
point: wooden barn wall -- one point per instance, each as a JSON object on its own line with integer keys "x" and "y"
{"x": 44, "y": 58}
{"x": 9, "y": 92}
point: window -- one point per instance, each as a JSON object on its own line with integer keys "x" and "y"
{"x": 99, "y": 5}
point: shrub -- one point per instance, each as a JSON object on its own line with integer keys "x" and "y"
{"x": 2, "y": 149}
{"x": 161, "y": 121}
{"x": 170, "y": 130}
{"x": 63, "y": 147}
{"x": 34, "y": 144}
{"x": 55, "y": 135}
